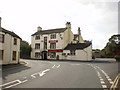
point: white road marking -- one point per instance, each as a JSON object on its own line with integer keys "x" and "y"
{"x": 9, "y": 83}
{"x": 53, "y": 66}
{"x": 19, "y": 82}
{"x": 33, "y": 75}
{"x": 99, "y": 75}
{"x": 111, "y": 82}
{"x": 101, "y": 79}
{"x": 24, "y": 81}
{"x": 58, "y": 66}
{"x": 46, "y": 70}
{"x": 41, "y": 74}
{"x": 104, "y": 86}
{"x": 107, "y": 77}
{"x": 102, "y": 82}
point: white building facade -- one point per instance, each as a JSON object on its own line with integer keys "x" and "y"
{"x": 51, "y": 44}
{"x": 9, "y": 47}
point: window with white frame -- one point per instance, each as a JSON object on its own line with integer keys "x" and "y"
{"x": 72, "y": 52}
{"x": 37, "y": 54}
{"x": 53, "y": 36}
{"x": 37, "y": 46}
{"x": 52, "y": 45}
{"x": 37, "y": 37}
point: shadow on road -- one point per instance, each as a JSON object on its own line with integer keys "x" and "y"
{"x": 13, "y": 70}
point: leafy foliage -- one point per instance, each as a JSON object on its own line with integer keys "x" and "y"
{"x": 25, "y": 50}
{"x": 112, "y": 47}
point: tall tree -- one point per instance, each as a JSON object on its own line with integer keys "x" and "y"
{"x": 25, "y": 50}
{"x": 112, "y": 47}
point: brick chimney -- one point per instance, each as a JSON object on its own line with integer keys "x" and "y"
{"x": 39, "y": 28}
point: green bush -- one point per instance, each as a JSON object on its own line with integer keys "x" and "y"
{"x": 117, "y": 57}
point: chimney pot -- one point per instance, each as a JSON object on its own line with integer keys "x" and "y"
{"x": 68, "y": 25}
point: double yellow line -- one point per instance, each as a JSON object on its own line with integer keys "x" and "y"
{"x": 115, "y": 83}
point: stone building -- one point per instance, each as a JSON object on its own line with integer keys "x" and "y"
{"x": 9, "y": 46}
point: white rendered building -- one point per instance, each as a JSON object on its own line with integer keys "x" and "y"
{"x": 52, "y": 44}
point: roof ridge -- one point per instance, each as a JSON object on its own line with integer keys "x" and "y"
{"x": 52, "y": 29}
{"x": 9, "y": 32}
{"x": 56, "y": 30}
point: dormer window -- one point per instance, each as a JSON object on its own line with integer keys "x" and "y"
{"x": 53, "y": 36}
{"x": 15, "y": 41}
{"x": 37, "y": 37}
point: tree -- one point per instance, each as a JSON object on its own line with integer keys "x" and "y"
{"x": 96, "y": 53}
{"x": 25, "y": 50}
{"x": 112, "y": 47}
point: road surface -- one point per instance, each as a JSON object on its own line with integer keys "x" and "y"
{"x": 62, "y": 74}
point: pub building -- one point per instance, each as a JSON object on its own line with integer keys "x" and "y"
{"x": 57, "y": 44}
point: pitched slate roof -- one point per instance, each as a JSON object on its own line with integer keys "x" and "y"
{"x": 77, "y": 46}
{"x": 57, "y": 30}
{"x": 9, "y": 32}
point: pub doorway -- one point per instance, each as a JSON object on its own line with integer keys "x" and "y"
{"x": 44, "y": 55}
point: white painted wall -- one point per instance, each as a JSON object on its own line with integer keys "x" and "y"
{"x": 8, "y": 48}
{"x": 83, "y": 55}
{"x": 59, "y": 44}
{"x": 68, "y": 37}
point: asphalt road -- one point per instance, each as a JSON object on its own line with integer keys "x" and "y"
{"x": 100, "y": 74}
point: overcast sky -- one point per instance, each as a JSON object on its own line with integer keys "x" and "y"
{"x": 98, "y": 19}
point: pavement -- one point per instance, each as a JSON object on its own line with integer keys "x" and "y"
{"x": 23, "y": 63}
{"x": 11, "y": 66}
